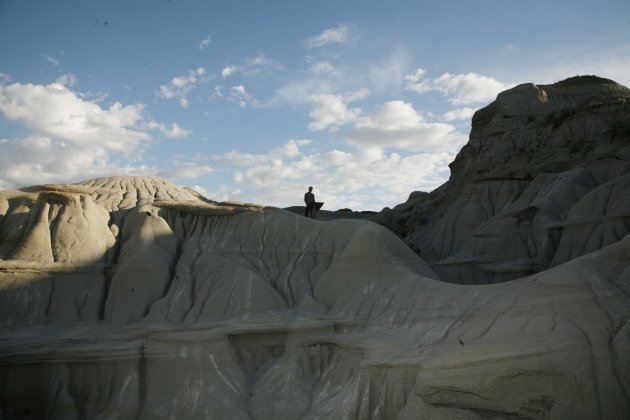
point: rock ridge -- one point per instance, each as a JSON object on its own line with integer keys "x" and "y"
{"x": 560, "y": 149}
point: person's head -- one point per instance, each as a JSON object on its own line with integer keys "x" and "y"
{"x": 310, "y": 189}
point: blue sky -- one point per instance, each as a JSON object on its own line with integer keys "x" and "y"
{"x": 256, "y": 100}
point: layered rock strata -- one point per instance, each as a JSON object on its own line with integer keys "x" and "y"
{"x": 543, "y": 179}
{"x": 130, "y": 298}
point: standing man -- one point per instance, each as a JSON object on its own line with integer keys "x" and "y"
{"x": 309, "y": 200}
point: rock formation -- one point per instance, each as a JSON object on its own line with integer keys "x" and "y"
{"x": 132, "y": 298}
{"x": 543, "y": 179}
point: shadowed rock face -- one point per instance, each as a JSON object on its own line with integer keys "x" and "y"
{"x": 120, "y": 300}
{"x": 132, "y": 298}
{"x": 543, "y": 179}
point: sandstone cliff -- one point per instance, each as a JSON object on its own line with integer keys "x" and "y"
{"x": 543, "y": 179}
{"x": 131, "y": 298}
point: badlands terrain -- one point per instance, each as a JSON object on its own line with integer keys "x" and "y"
{"x": 505, "y": 293}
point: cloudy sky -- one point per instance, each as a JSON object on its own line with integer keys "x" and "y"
{"x": 256, "y": 100}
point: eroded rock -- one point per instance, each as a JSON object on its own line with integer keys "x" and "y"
{"x": 131, "y": 298}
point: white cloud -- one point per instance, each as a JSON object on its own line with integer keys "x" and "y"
{"x": 72, "y": 138}
{"x": 4, "y": 78}
{"x": 68, "y": 79}
{"x": 228, "y": 71}
{"x": 290, "y": 149}
{"x": 339, "y": 34}
{"x": 201, "y": 190}
{"x": 470, "y": 88}
{"x": 240, "y": 95}
{"x": 217, "y": 91}
{"x": 322, "y": 68}
{"x": 52, "y": 60}
{"x": 251, "y": 66}
{"x": 37, "y": 160}
{"x": 383, "y": 75}
{"x": 300, "y": 92}
{"x": 175, "y": 131}
{"x": 459, "y": 114}
{"x": 186, "y": 170}
{"x": 219, "y": 193}
{"x": 331, "y": 111}
{"x": 205, "y": 43}
{"x": 341, "y": 179}
{"x": 97, "y": 97}
{"x": 57, "y": 112}
{"x": 417, "y": 83}
{"x": 462, "y": 89}
{"x": 180, "y": 86}
{"x": 396, "y": 124}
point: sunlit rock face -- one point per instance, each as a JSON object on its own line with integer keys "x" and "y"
{"x": 132, "y": 298}
{"x": 543, "y": 179}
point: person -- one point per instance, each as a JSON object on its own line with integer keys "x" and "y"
{"x": 309, "y": 200}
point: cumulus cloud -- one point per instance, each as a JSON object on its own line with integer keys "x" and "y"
{"x": 396, "y": 124}
{"x": 174, "y": 131}
{"x": 416, "y": 81}
{"x": 469, "y": 88}
{"x": 331, "y": 111}
{"x": 57, "y": 112}
{"x": 290, "y": 149}
{"x": 340, "y": 34}
{"x": 228, "y": 71}
{"x": 189, "y": 170}
{"x": 341, "y": 178}
{"x": 37, "y": 159}
{"x": 239, "y": 95}
{"x": 458, "y": 114}
{"x": 462, "y": 89}
{"x": 205, "y": 42}
{"x": 72, "y": 137}
{"x": 180, "y": 86}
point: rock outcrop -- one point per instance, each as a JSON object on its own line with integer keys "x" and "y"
{"x": 132, "y": 298}
{"x": 543, "y": 179}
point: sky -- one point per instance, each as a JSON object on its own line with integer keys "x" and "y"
{"x": 253, "y": 101}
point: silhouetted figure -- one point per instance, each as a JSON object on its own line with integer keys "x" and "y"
{"x": 309, "y": 200}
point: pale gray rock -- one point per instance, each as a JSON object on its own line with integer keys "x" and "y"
{"x": 540, "y": 182}
{"x": 209, "y": 310}
{"x": 129, "y": 297}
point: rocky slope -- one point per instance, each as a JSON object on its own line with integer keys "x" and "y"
{"x": 132, "y": 298}
{"x": 543, "y": 179}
